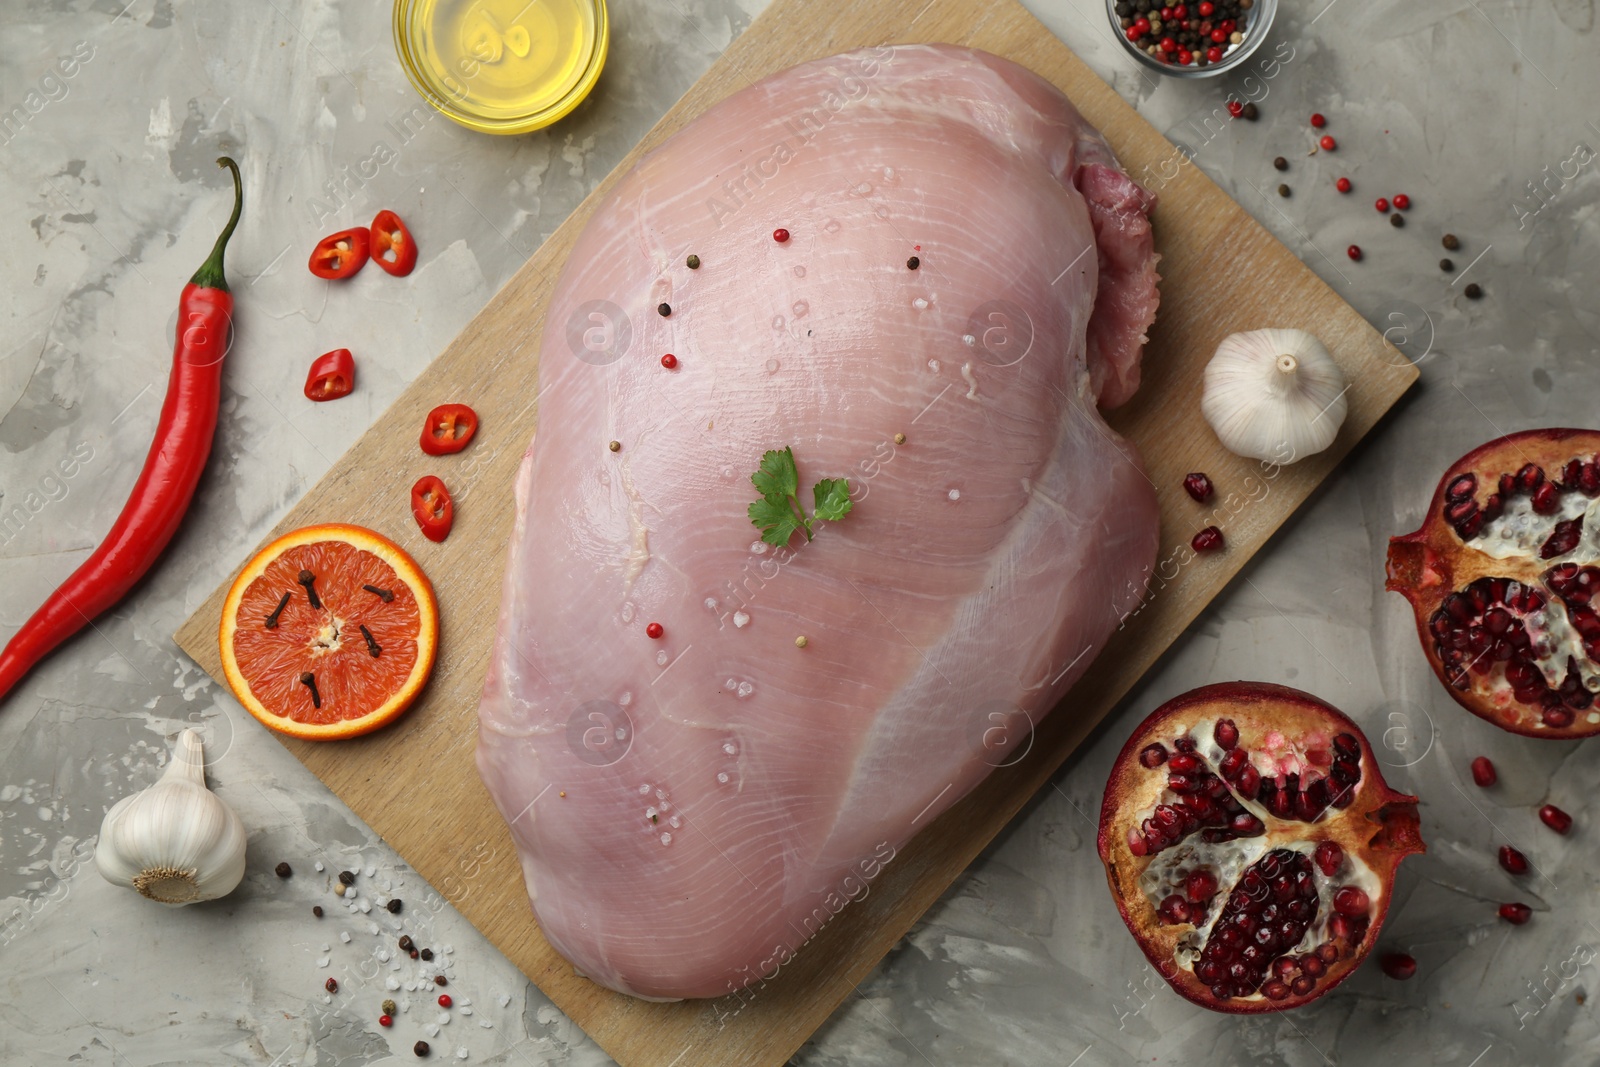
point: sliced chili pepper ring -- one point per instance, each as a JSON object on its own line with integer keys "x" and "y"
{"x": 339, "y": 255}
{"x": 433, "y": 507}
{"x": 390, "y": 236}
{"x": 332, "y": 375}
{"x": 449, "y": 429}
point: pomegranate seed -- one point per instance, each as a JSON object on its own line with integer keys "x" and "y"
{"x": 1351, "y": 901}
{"x": 1402, "y": 202}
{"x": 331, "y": 985}
{"x": 1174, "y": 910}
{"x": 1198, "y": 486}
{"x": 1318, "y": 121}
{"x": 669, "y": 361}
{"x": 1184, "y": 763}
{"x": 1313, "y": 966}
{"x": 1354, "y": 252}
{"x": 1512, "y": 860}
{"x": 780, "y": 235}
{"x": 1328, "y": 144}
{"x": 1382, "y": 205}
{"x": 1398, "y": 965}
{"x": 1483, "y": 772}
{"x": 1200, "y": 886}
{"x": 1303, "y": 985}
{"x": 1235, "y": 107}
{"x": 1153, "y": 755}
{"x": 1329, "y": 857}
{"x": 1555, "y": 818}
{"x": 384, "y": 1020}
{"x": 1226, "y": 733}
{"x": 1547, "y": 499}
{"x": 654, "y": 631}
{"x": 1516, "y": 914}
{"x": 1275, "y": 990}
{"x": 1343, "y": 185}
{"x": 1207, "y": 540}
{"x": 444, "y": 1000}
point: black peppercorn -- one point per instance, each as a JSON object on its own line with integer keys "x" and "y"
{"x": 316, "y": 909}
{"x": 427, "y": 953}
{"x": 283, "y": 870}
{"x": 438, "y": 979}
{"x": 1446, "y": 265}
{"x": 1283, "y": 190}
{"x": 913, "y": 263}
{"x": 393, "y": 905}
{"x": 347, "y": 877}
{"x": 1250, "y": 112}
{"x": 406, "y": 943}
{"x": 1473, "y": 291}
{"x": 420, "y": 1048}
{"x": 1451, "y": 241}
{"x": 665, "y": 309}
{"x": 693, "y": 262}
{"x": 1397, "y": 220}
{"x": 1281, "y": 163}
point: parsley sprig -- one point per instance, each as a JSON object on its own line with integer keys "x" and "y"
{"x": 778, "y": 513}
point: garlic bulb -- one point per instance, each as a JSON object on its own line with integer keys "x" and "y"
{"x": 1274, "y": 395}
{"x": 176, "y": 842}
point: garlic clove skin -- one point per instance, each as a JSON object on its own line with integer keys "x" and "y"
{"x": 176, "y": 842}
{"x": 1274, "y": 395}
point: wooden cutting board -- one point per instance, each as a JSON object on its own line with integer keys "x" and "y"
{"x": 1223, "y": 273}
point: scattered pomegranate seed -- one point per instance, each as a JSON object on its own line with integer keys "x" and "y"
{"x": 1328, "y": 144}
{"x": 1354, "y": 252}
{"x": 1343, "y": 185}
{"x": 1382, "y": 205}
{"x": 1555, "y": 818}
{"x": 780, "y": 235}
{"x": 1318, "y": 121}
{"x": 654, "y": 631}
{"x": 1398, "y": 965}
{"x": 1235, "y": 107}
{"x": 1512, "y": 860}
{"x": 1198, "y": 486}
{"x": 1516, "y": 914}
{"x": 1483, "y": 772}
{"x": 1207, "y": 540}
{"x": 1402, "y": 202}
{"x": 669, "y": 361}
{"x": 385, "y": 1020}
{"x": 331, "y": 985}
{"x": 444, "y": 1000}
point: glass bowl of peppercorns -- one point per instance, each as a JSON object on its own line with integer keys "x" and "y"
{"x": 1197, "y": 39}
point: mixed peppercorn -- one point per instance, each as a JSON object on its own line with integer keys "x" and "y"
{"x": 1185, "y": 35}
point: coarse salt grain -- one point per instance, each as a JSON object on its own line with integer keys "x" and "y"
{"x": 505, "y": 998}
{"x": 366, "y": 906}
{"x": 466, "y": 1011}
{"x": 391, "y": 983}
{"x": 371, "y": 870}
{"x": 461, "y": 1052}
{"x": 320, "y": 867}
{"x": 344, "y": 935}
{"x": 443, "y": 1019}
{"x": 323, "y": 962}
{"x": 431, "y": 1030}
{"x": 327, "y": 948}
{"x": 486, "y": 1024}
{"x": 448, "y": 950}
{"x": 383, "y": 955}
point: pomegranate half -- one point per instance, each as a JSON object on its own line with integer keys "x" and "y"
{"x": 1501, "y": 575}
{"x": 1251, "y": 844}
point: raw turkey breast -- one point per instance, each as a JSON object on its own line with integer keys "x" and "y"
{"x": 965, "y": 266}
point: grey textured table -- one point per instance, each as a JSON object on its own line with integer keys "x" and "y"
{"x": 109, "y": 199}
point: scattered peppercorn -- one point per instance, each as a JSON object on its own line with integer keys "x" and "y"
{"x": 1451, "y": 241}
{"x": 899, "y": 438}
{"x": 913, "y": 263}
{"x": 427, "y": 954}
{"x": 413, "y": 953}
{"x": 1447, "y": 265}
{"x": 1207, "y": 540}
{"x": 388, "y": 1007}
{"x": 1281, "y": 163}
{"x": 1283, "y": 190}
{"x": 1318, "y": 120}
{"x": 693, "y": 262}
{"x": 394, "y": 905}
{"x": 339, "y": 888}
{"x": 1397, "y": 220}
{"x": 1473, "y": 291}
{"x": 385, "y": 1019}
{"x": 669, "y": 361}
{"x": 654, "y": 631}
{"x": 1402, "y": 201}
{"x": 438, "y": 979}
{"x": 1198, "y": 486}
{"x": 1354, "y": 252}
{"x": 316, "y": 909}
{"x": 1235, "y": 108}
{"x": 420, "y": 1048}
{"x": 1328, "y": 144}
{"x": 406, "y": 944}
{"x": 283, "y": 870}
{"x": 801, "y": 642}
{"x": 615, "y": 446}
{"x": 444, "y": 1000}
{"x": 1343, "y": 185}
{"x": 331, "y": 985}
{"x": 664, "y": 309}
{"x": 1382, "y": 205}
{"x": 1250, "y": 112}
{"x": 780, "y": 235}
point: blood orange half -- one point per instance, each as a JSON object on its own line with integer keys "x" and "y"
{"x": 329, "y": 632}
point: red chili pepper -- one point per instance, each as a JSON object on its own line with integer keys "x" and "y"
{"x": 333, "y": 374}
{"x": 389, "y": 234}
{"x": 449, "y": 429}
{"x": 434, "y": 510}
{"x": 171, "y": 471}
{"x": 341, "y": 254}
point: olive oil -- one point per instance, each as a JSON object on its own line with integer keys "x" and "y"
{"x": 502, "y": 65}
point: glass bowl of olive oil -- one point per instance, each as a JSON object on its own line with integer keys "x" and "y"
{"x": 502, "y": 66}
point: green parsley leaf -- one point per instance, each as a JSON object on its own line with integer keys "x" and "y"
{"x": 776, "y": 519}
{"x": 777, "y": 476}
{"x": 833, "y": 498}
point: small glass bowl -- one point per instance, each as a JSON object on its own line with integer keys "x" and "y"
{"x": 1257, "y": 23}
{"x": 496, "y": 56}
